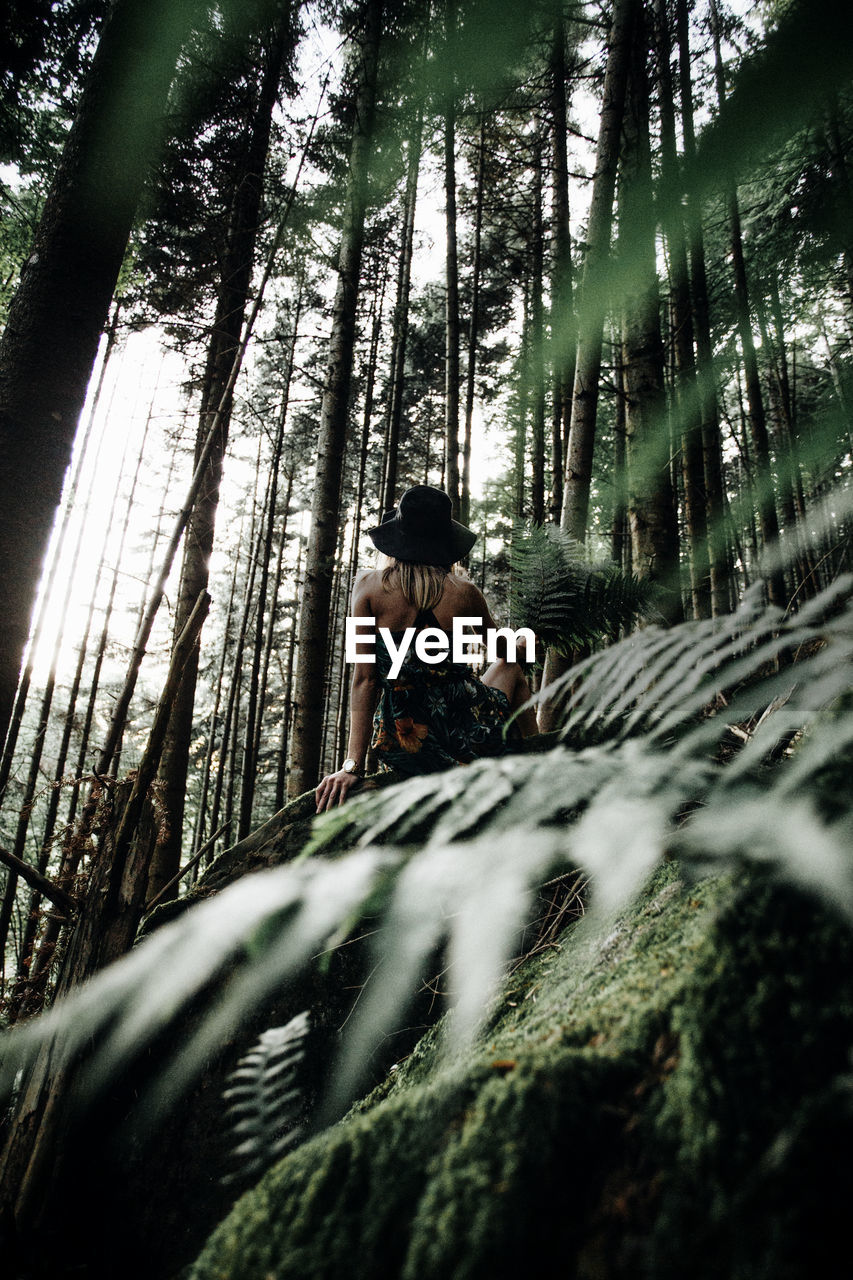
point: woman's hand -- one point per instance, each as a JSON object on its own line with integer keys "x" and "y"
{"x": 335, "y": 788}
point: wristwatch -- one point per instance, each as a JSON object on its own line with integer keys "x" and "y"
{"x": 350, "y": 766}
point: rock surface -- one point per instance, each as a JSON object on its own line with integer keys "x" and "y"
{"x": 663, "y": 1094}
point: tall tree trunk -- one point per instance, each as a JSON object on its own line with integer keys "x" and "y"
{"x": 473, "y": 325}
{"x": 287, "y": 712}
{"x": 591, "y": 302}
{"x": 316, "y": 599}
{"x": 620, "y": 534}
{"x": 654, "y": 535}
{"x": 839, "y": 161}
{"x": 270, "y": 640}
{"x": 230, "y": 730}
{"x": 367, "y": 415}
{"x": 536, "y": 357}
{"x": 451, "y": 319}
{"x": 235, "y": 280}
{"x": 687, "y": 392}
{"x": 780, "y": 398}
{"x": 253, "y": 707}
{"x": 767, "y": 516}
{"x": 722, "y": 590}
{"x": 401, "y": 320}
{"x": 520, "y": 446}
{"x": 337, "y": 665}
{"x": 201, "y": 828}
{"x": 563, "y": 326}
{"x": 592, "y": 292}
{"x": 60, "y": 309}
{"x": 282, "y": 540}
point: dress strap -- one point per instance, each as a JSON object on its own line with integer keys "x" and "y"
{"x": 426, "y": 618}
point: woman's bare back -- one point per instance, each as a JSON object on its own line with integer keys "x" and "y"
{"x": 391, "y": 609}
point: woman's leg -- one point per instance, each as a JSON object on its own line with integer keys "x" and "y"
{"x": 511, "y": 680}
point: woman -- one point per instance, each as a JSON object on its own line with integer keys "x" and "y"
{"x": 429, "y": 715}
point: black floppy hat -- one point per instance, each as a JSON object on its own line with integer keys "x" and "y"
{"x": 422, "y": 530}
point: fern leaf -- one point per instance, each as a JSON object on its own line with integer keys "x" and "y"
{"x": 461, "y": 851}
{"x": 265, "y": 1097}
{"x": 565, "y": 600}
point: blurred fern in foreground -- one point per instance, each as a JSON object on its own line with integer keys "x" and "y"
{"x": 714, "y": 740}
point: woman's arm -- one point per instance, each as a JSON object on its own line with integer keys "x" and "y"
{"x": 364, "y": 690}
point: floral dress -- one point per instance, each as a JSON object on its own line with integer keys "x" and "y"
{"x": 434, "y": 715}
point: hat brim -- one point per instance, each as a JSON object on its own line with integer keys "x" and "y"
{"x": 422, "y": 548}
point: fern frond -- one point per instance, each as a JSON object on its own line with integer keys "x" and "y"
{"x": 657, "y": 680}
{"x": 265, "y": 1098}
{"x": 228, "y": 956}
{"x": 567, "y": 601}
{"x": 453, "y": 858}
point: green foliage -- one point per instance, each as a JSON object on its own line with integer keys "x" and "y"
{"x": 45, "y": 50}
{"x": 453, "y": 858}
{"x": 185, "y": 235}
{"x": 264, "y": 1097}
{"x": 722, "y": 741}
{"x": 568, "y": 602}
{"x": 635, "y": 1103}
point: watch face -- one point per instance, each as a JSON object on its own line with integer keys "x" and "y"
{"x": 349, "y": 766}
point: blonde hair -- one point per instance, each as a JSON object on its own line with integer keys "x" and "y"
{"x": 421, "y": 584}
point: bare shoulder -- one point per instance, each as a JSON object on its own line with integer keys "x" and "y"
{"x": 368, "y": 582}
{"x": 467, "y": 597}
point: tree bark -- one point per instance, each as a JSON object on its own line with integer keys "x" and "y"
{"x": 473, "y": 325}
{"x": 592, "y": 293}
{"x": 367, "y": 414}
{"x": 325, "y": 511}
{"x": 536, "y": 357}
{"x": 592, "y": 304}
{"x": 451, "y": 330}
{"x": 768, "y": 519}
{"x": 200, "y": 827}
{"x": 287, "y": 716}
{"x": 49, "y": 346}
{"x": 563, "y": 325}
{"x": 401, "y": 320}
{"x": 253, "y": 708}
{"x": 651, "y": 511}
{"x": 687, "y": 393}
{"x": 235, "y": 281}
{"x": 722, "y": 570}
{"x": 780, "y": 398}
{"x": 620, "y": 534}
{"x": 520, "y": 443}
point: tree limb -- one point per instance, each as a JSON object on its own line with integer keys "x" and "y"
{"x": 37, "y": 881}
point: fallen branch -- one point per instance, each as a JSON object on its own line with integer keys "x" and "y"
{"x": 194, "y": 860}
{"x": 37, "y": 881}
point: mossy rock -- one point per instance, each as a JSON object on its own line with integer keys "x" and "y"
{"x": 282, "y": 838}
{"x": 637, "y": 1105}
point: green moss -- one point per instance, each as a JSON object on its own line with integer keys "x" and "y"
{"x": 624, "y": 1111}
